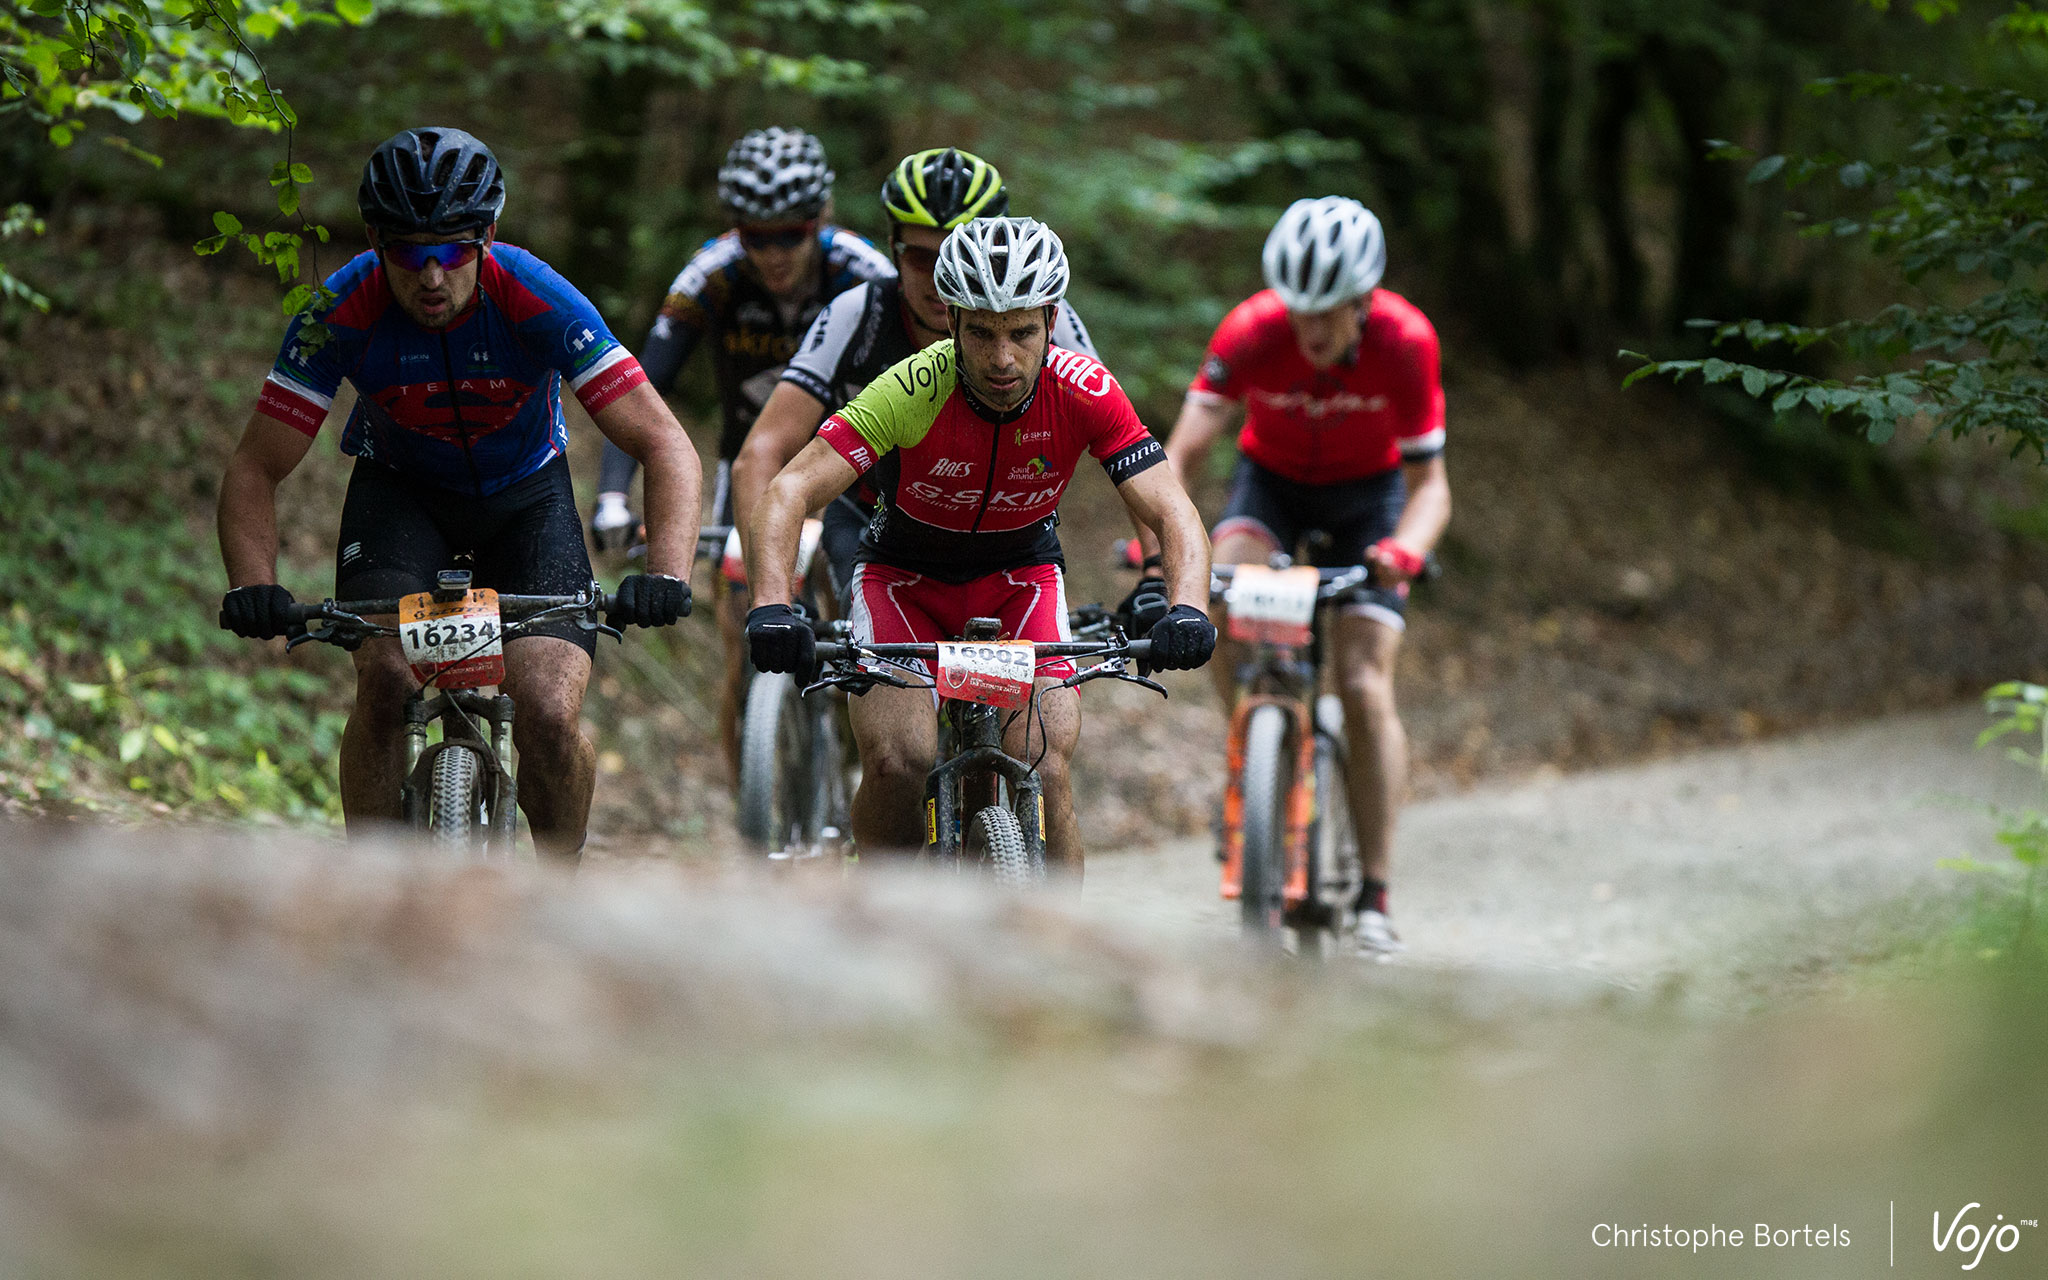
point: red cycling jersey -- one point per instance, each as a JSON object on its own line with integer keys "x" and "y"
{"x": 966, "y": 492}
{"x": 1365, "y": 415}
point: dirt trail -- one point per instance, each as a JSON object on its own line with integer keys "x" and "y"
{"x": 1703, "y": 867}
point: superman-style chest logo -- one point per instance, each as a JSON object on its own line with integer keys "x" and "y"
{"x": 448, "y": 412}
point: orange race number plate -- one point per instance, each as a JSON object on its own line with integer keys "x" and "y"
{"x": 459, "y": 644}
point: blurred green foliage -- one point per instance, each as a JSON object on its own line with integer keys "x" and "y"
{"x": 119, "y": 690}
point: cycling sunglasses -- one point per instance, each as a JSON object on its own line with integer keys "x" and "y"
{"x": 778, "y": 237}
{"x": 915, "y": 257}
{"x": 415, "y": 257}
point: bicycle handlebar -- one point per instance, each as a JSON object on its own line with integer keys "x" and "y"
{"x": 840, "y": 651}
{"x": 510, "y": 607}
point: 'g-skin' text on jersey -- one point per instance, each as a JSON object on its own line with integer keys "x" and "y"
{"x": 475, "y": 407}
{"x": 967, "y": 491}
{"x": 753, "y": 334}
{"x": 1381, "y": 406}
{"x": 866, "y": 329}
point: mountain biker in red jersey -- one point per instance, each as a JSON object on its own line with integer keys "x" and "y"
{"x": 458, "y": 348}
{"x": 746, "y": 298}
{"x": 1344, "y": 436}
{"x": 970, "y": 444}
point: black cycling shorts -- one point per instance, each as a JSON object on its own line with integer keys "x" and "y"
{"x": 396, "y": 534}
{"x": 845, "y": 521}
{"x": 1320, "y": 524}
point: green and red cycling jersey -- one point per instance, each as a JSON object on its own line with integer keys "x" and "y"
{"x": 475, "y": 407}
{"x": 1380, "y": 407}
{"x": 966, "y": 491}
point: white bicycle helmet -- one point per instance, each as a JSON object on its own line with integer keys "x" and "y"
{"x": 1001, "y": 264}
{"x": 1325, "y": 252}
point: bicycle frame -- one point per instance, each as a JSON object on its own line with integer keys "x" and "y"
{"x": 970, "y": 778}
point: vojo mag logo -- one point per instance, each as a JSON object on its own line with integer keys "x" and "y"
{"x": 1967, "y": 1238}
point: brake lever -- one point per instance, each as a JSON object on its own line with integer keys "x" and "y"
{"x": 1112, "y": 670}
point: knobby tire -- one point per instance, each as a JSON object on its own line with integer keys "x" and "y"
{"x": 770, "y": 803}
{"x": 1267, "y": 776}
{"x": 999, "y": 841}
{"x": 452, "y": 824}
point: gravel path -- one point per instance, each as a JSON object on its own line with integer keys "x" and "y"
{"x": 1693, "y": 868}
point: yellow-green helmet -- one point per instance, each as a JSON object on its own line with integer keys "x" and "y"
{"x": 943, "y": 188}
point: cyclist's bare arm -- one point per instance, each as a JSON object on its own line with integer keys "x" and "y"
{"x": 1203, "y": 418}
{"x": 810, "y": 481}
{"x": 1159, "y": 506}
{"x": 247, "y": 518}
{"x": 1428, "y": 510}
{"x": 786, "y": 425}
{"x": 640, "y": 423}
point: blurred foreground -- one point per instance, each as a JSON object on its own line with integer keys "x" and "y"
{"x": 229, "y": 1055}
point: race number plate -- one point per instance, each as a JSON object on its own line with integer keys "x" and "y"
{"x": 995, "y": 672}
{"x": 459, "y": 644}
{"x": 1272, "y": 606}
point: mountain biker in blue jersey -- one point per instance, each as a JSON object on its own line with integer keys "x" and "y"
{"x": 457, "y": 348}
{"x": 746, "y": 298}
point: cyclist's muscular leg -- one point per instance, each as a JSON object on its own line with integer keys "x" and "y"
{"x": 546, "y": 677}
{"x": 373, "y": 745}
{"x": 898, "y": 735}
{"x": 1377, "y": 744}
{"x": 1242, "y": 547}
{"x": 1063, "y": 852}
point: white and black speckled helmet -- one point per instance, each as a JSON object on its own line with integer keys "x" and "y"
{"x": 1323, "y": 253}
{"x": 1001, "y": 264}
{"x": 775, "y": 175}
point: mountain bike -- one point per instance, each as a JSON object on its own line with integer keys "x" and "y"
{"x": 1290, "y": 856}
{"x": 984, "y": 808}
{"x": 462, "y": 791}
{"x": 794, "y": 798}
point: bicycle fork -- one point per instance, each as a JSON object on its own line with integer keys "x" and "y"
{"x": 1301, "y": 797}
{"x": 947, "y": 782}
{"x": 449, "y": 707}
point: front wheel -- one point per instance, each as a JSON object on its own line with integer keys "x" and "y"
{"x": 996, "y": 841}
{"x": 775, "y": 789}
{"x": 1266, "y": 782}
{"x": 452, "y": 821}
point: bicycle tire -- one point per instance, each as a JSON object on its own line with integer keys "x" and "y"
{"x": 998, "y": 842}
{"x": 1263, "y": 869}
{"x": 768, "y": 767}
{"x": 1332, "y": 847}
{"x": 451, "y": 825}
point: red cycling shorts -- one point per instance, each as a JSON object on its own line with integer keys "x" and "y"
{"x": 895, "y": 606}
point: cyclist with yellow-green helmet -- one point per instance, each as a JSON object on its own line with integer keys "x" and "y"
{"x": 872, "y": 326}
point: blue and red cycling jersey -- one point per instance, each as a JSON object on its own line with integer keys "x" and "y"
{"x": 475, "y": 407}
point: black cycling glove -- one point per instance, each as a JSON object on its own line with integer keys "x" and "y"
{"x": 649, "y": 600}
{"x": 1144, "y": 607}
{"x": 1183, "y": 639}
{"x": 779, "y": 639}
{"x": 258, "y": 612}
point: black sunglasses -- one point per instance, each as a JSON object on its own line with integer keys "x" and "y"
{"x": 415, "y": 257}
{"x": 779, "y": 238}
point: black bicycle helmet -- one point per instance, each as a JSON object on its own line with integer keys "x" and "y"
{"x": 433, "y": 180}
{"x": 775, "y": 174}
{"x": 943, "y": 188}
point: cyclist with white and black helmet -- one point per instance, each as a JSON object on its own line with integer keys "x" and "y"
{"x": 748, "y": 296}
{"x": 863, "y": 331}
{"x": 969, "y": 445}
{"x": 458, "y": 347}
{"x": 1343, "y": 436}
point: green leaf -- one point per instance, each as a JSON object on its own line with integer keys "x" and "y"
{"x": 1755, "y": 381}
{"x": 227, "y": 223}
{"x": 163, "y": 738}
{"x": 61, "y": 134}
{"x": 1854, "y": 174}
{"x": 1881, "y": 430}
{"x": 1787, "y": 400}
{"x": 1766, "y": 169}
{"x": 355, "y": 12}
{"x": 302, "y": 173}
{"x": 131, "y": 745}
{"x": 288, "y": 201}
